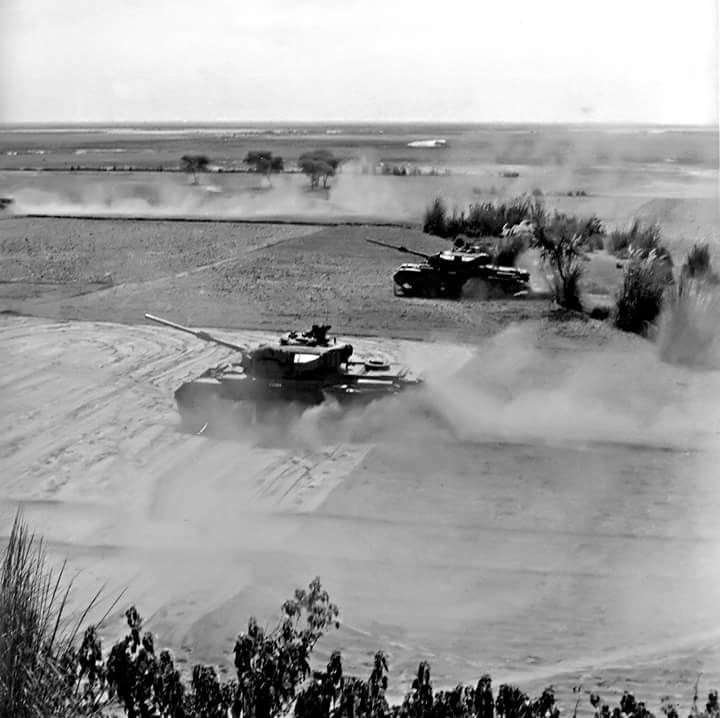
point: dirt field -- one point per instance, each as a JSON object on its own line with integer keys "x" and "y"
{"x": 554, "y": 521}
{"x": 222, "y": 275}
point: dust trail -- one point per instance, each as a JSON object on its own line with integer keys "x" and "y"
{"x": 512, "y": 391}
{"x": 350, "y": 195}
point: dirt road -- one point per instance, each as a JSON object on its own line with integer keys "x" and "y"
{"x": 471, "y": 535}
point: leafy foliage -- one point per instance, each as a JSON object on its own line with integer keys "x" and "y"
{"x": 269, "y": 666}
{"x": 640, "y": 298}
{"x": 689, "y": 324}
{"x": 512, "y": 225}
{"x": 194, "y": 164}
{"x": 561, "y": 243}
{"x": 42, "y": 674}
{"x": 319, "y": 166}
{"x": 483, "y": 219}
{"x": 637, "y": 240}
{"x": 514, "y": 240}
{"x": 264, "y": 162}
{"x": 41, "y": 671}
{"x": 435, "y": 220}
{"x": 697, "y": 263}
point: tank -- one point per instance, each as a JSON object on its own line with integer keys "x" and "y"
{"x": 444, "y": 274}
{"x": 301, "y": 369}
{"x": 6, "y": 203}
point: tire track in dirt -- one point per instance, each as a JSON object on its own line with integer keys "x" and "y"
{"x": 103, "y": 397}
{"x": 92, "y": 452}
{"x": 303, "y": 482}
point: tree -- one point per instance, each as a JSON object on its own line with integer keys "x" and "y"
{"x": 561, "y": 249}
{"x": 194, "y": 164}
{"x": 318, "y": 165}
{"x": 263, "y": 162}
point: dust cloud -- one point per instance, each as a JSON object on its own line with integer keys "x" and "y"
{"x": 607, "y": 445}
{"x": 689, "y": 327}
{"x": 351, "y": 194}
{"x": 512, "y": 391}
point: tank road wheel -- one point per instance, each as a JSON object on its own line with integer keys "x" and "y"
{"x": 431, "y": 291}
{"x": 455, "y": 290}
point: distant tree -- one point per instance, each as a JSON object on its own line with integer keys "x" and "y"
{"x": 194, "y": 164}
{"x": 264, "y": 163}
{"x": 319, "y": 166}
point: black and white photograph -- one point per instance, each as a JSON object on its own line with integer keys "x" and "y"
{"x": 359, "y": 359}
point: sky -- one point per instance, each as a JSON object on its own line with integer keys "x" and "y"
{"x": 645, "y": 61}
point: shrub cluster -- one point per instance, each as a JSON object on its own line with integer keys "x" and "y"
{"x": 688, "y": 305}
{"x": 483, "y": 219}
{"x": 44, "y": 674}
{"x": 689, "y": 324}
{"x": 640, "y": 299}
{"x": 636, "y": 240}
{"x": 697, "y": 264}
{"x": 493, "y": 219}
{"x": 561, "y": 241}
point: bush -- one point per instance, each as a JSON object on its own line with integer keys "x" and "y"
{"x": 689, "y": 325}
{"x": 435, "y": 221}
{"x": 640, "y": 299}
{"x": 41, "y": 673}
{"x": 507, "y": 249}
{"x": 512, "y": 243}
{"x": 697, "y": 263}
{"x": 455, "y": 224}
{"x": 483, "y": 219}
{"x": 589, "y": 230}
{"x": 594, "y": 243}
{"x": 636, "y": 239}
{"x": 493, "y": 219}
{"x": 561, "y": 250}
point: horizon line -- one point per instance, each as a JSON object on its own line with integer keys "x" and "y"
{"x": 200, "y": 123}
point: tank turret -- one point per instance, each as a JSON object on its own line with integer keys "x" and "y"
{"x": 317, "y": 336}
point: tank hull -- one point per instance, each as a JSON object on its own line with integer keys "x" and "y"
{"x": 235, "y": 398}
{"x": 416, "y": 279}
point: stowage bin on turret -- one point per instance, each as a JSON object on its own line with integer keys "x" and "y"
{"x": 444, "y": 274}
{"x": 302, "y": 368}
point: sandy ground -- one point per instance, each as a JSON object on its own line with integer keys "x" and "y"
{"x": 551, "y": 522}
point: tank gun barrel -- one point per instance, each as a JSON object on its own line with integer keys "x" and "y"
{"x": 399, "y": 248}
{"x": 197, "y": 333}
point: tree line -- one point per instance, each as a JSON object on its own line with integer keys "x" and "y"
{"x": 318, "y": 165}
